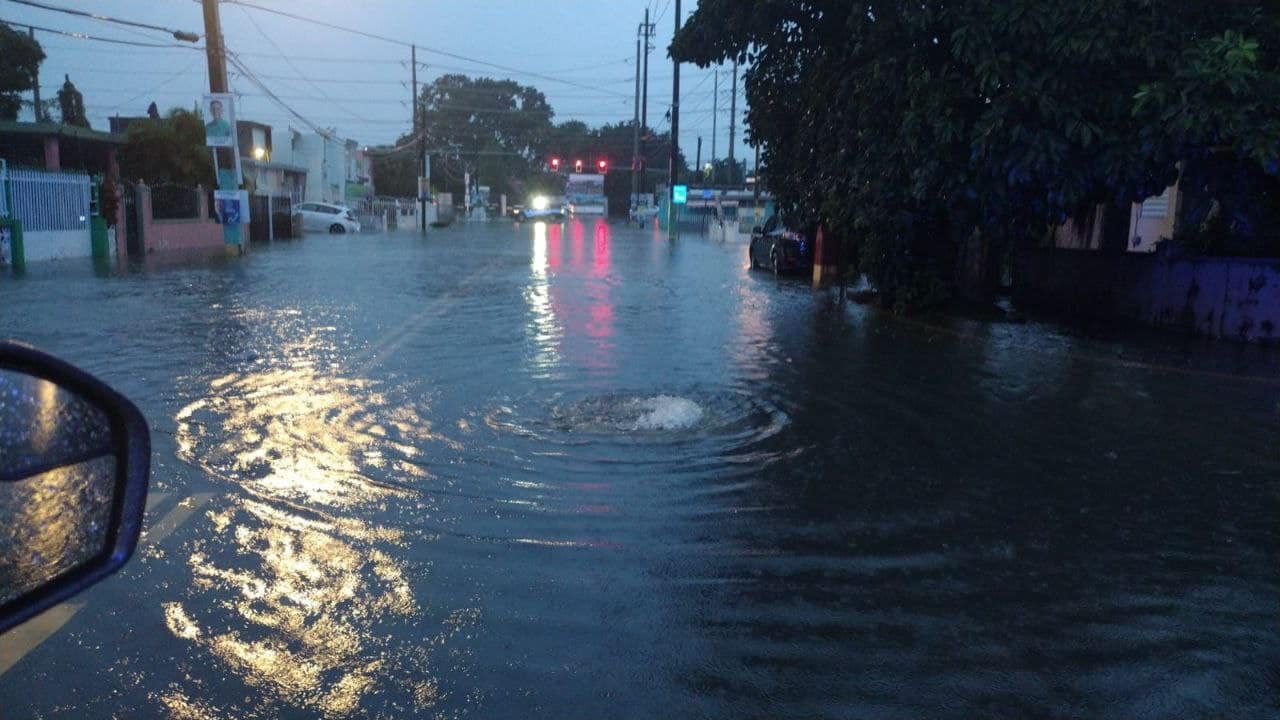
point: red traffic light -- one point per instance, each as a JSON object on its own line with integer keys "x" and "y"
{"x": 577, "y": 165}
{"x": 603, "y": 165}
{"x": 555, "y": 163}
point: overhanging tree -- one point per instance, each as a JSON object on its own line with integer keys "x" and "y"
{"x": 920, "y": 131}
{"x": 168, "y": 150}
{"x": 20, "y": 58}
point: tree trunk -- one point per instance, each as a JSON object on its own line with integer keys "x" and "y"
{"x": 976, "y": 269}
{"x": 1116, "y": 224}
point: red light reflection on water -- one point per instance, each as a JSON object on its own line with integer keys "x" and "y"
{"x": 601, "y": 263}
{"x": 581, "y": 299}
{"x": 578, "y": 237}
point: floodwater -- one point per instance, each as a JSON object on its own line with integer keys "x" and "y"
{"x": 579, "y": 472}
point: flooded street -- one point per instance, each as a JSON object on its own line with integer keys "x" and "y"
{"x": 577, "y": 471}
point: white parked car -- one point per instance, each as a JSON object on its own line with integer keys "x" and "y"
{"x": 324, "y": 217}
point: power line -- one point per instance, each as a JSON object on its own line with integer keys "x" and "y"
{"x": 317, "y": 88}
{"x": 426, "y": 48}
{"x": 86, "y": 36}
{"x": 662, "y": 14}
{"x": 235, "y": 60}
{"x": 159, "y": 85}
{"x": 433, "y": 66}
{"x": 177, "y": 34}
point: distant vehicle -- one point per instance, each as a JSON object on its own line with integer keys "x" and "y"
{"x": 553, "y": 214}
{"x": 776, "y": 247}
{"x": 515, "y": 212}
{"x": 644, "y": 214}
{"x": 322, "y": 217}
{"x": 541, "y": 208}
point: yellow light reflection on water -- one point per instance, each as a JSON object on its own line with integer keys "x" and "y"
{"x": 295, "y": 590}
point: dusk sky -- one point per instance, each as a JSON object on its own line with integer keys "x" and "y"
{"x": 360, "y": 86}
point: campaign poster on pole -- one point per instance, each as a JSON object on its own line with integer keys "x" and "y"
{"x": 231, "y": 206}
{"x": 220, "y": 120}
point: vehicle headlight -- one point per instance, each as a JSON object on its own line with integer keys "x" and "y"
{"x": 541, "y": 203}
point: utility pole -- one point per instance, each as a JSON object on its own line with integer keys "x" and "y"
{"x": 35, "y": 82}
{"x": 697, "y": 164}
{"x": 214, "y": 48}
{"x": 635, "y": 137}
{"x": 644, "y": 98}
{"x": 223, "y": 157}
{"x": 674, "y": 172}
{"x": 756, "y": 189}
{"x": 715, "y": 115}
{"x": 647, "y": 31}
{"x": 420, "y": 157}
{"x": 733, "y": 120}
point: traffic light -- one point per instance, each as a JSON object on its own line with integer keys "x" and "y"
{"x": 555, "y": 164}
{"x": 603, "y": 165}
{"x": 577, "y": 166}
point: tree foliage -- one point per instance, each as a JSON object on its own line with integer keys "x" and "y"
{"x": 71, "y": 103}
{"x": 503, "y": 134}
{"x": 20, "y": 58}
{"x": 168, "y": 150}
{"x": 498, "y": 124}
{"x": 912, "y": 128}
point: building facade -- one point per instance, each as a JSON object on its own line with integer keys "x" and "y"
{"x": 331, "y": 163}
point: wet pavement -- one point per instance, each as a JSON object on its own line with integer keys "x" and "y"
{"x": 529, "y": 471}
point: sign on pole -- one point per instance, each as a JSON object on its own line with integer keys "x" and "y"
{"x": 231, "y": 206}
{"x": 220, "y": 120}
{"x": 680, "y": 194}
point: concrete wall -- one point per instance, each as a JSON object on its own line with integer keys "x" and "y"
{"x": 1218, "y": 297}
{"x": 199, "y": 233}
{"x": 1077, "y": 236}
{"x": 1152, "y": 222}
{"x": 167, "y": 235}
{"x": 56, "y": 244}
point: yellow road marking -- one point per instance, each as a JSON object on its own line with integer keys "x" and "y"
{"x": 175, "y": 517}
{"x": 15, "y": 644}
{"x": 19, "y": 641}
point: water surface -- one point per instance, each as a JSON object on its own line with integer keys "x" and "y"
{"x": 530, "y": 471}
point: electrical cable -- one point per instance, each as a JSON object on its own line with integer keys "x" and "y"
{"x": 177, "y": 34}
{"x": 317, "y": 88}
{"x": 424, "y": 48}
{"x": 86, "y": 36}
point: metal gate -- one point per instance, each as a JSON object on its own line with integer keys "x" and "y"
{"x": 259, "y": 219}
{"x": 132, "y": 222}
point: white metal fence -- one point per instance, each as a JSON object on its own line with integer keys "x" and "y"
{"x": 49, "y": 200}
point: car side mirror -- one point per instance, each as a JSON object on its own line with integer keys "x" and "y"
{"x": 757, "y": 230}
{"x": 74, "y": 463}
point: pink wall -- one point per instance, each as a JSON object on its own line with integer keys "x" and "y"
{"x": 164, "y": 235}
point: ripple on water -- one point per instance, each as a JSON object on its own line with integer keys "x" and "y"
{"x": 301, "y": 589}
{"x": 734, "y": 418}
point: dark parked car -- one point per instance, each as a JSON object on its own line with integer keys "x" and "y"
{"x": 780, "y": 249}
